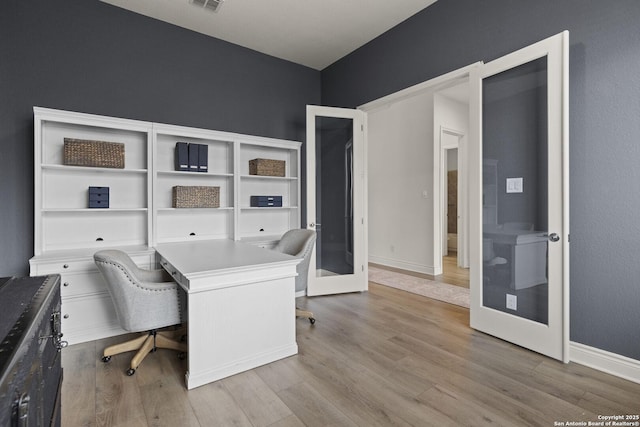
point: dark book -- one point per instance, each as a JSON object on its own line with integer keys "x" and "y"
{"x": 203, "y": 158}
{"x": 194, "y": 150}
{"x": 182, "y": 156}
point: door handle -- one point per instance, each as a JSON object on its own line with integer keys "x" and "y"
{"x": 553, "y": 237}
{"x": 313, "y": 225}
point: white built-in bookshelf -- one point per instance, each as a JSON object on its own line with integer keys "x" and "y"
{"x": 140, "y": 214}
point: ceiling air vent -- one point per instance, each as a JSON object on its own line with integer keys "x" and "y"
{"x": 212, "y": 5}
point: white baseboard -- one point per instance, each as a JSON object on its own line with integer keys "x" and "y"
{"x": 389, "y": 262}
{"x": 611, "y": 363}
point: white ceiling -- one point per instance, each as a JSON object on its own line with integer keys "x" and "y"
{"x": 315, "y": 33}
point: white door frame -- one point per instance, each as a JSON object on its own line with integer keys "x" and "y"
{"x": 358, "y": 281}
{"x": 449, "y": 79}
{"x": 551, "y": 339}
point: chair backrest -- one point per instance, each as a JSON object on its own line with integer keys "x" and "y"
{"x": 298, "y": 243}
{"x": 143, "y": 299}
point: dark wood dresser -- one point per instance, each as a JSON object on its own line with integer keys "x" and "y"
{"x": 30, "y": 343}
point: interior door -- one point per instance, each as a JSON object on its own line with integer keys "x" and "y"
{"x": 520, "y": 198}
{"x": 336, "y": 199}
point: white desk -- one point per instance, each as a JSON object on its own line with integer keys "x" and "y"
{"x": 241, "y": 305}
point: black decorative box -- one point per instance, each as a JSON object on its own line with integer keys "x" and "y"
{"x": 98, "y": 197}
{"x": 266, "y": 201}
{"x": 30, "y": 344}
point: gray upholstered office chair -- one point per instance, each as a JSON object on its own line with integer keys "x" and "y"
{"x": 145, "y": 300}
{"x": 299, "y": 243}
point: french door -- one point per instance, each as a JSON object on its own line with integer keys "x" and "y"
{"x": 336, "y": 199}
{"x": 519, "y": 197}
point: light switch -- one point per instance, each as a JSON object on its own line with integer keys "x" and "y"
{"x": 514, "y": 185}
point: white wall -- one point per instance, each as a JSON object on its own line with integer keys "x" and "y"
{"x": 452, "y": 159}
{"x": 400, "y": 166}
{"x": 450, "y": 114}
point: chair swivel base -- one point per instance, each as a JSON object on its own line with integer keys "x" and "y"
{"x": 307, "y": 314}
{"x": 144, "y": 345}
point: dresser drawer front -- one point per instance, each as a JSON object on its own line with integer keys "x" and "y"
{"x": 89, "y": 318}
{"x": 74, "y": 285}
{"x": 66, "y": 266}
{"x": 79, "y": 265}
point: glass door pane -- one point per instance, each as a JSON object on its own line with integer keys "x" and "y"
{"x": 514, "y": 191}
{"x": 334, "y": 196}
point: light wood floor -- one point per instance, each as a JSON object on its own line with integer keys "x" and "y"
{"x": 451, "y": 273}
{"x": 380, "y": 358}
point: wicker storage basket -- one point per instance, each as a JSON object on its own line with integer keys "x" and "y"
{"x": 266, "y": 167}
{"x": 82, "y": 152}
{"x": 196, "y": 197}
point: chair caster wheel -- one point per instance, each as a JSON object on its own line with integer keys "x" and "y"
{"x": 131, "y": 371}
{"x": 106, "y": 359}
{"x": 312, "y": 320}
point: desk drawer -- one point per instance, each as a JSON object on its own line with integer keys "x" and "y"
{"x": 177, "y": 276}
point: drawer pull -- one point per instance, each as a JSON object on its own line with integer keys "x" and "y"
{"x": 99, "y": 239}
{"x": 192, "y": 234}
{"x": 65, "y": 266}
{"x": 65, "y": 284}
{"x": 66, "y": 316}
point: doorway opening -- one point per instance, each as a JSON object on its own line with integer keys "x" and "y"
{"x": 451, "y": 126}
{"x": 453, "y": 271}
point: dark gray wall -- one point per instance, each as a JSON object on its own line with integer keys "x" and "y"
{"x": 87, "y": 56}
{"x": 604, "y": 127}
{"x": 514, "y": 127}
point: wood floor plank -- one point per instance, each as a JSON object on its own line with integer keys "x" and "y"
{"x": 290, "y": 421}
{"x": 511, "y": 384}
{"x": 367, "y": 398}
{"x": 279, "y": 375}
{"x": 118, "y": 398}
{"x": 379, "y": 358}
{"x": 347, "y": 385}
{"x": 164, "y": 396}
{"x": 79, "y": 385}
{"x": 368, "y": 355}
{"x": 214, "y": 406}
{"x": 462, "y": 411}
{"x": 621, "y": 394}
{"x": 312, "y": 408}
{"x": 260, "y": 403}
{"x": 476, "y": 392}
